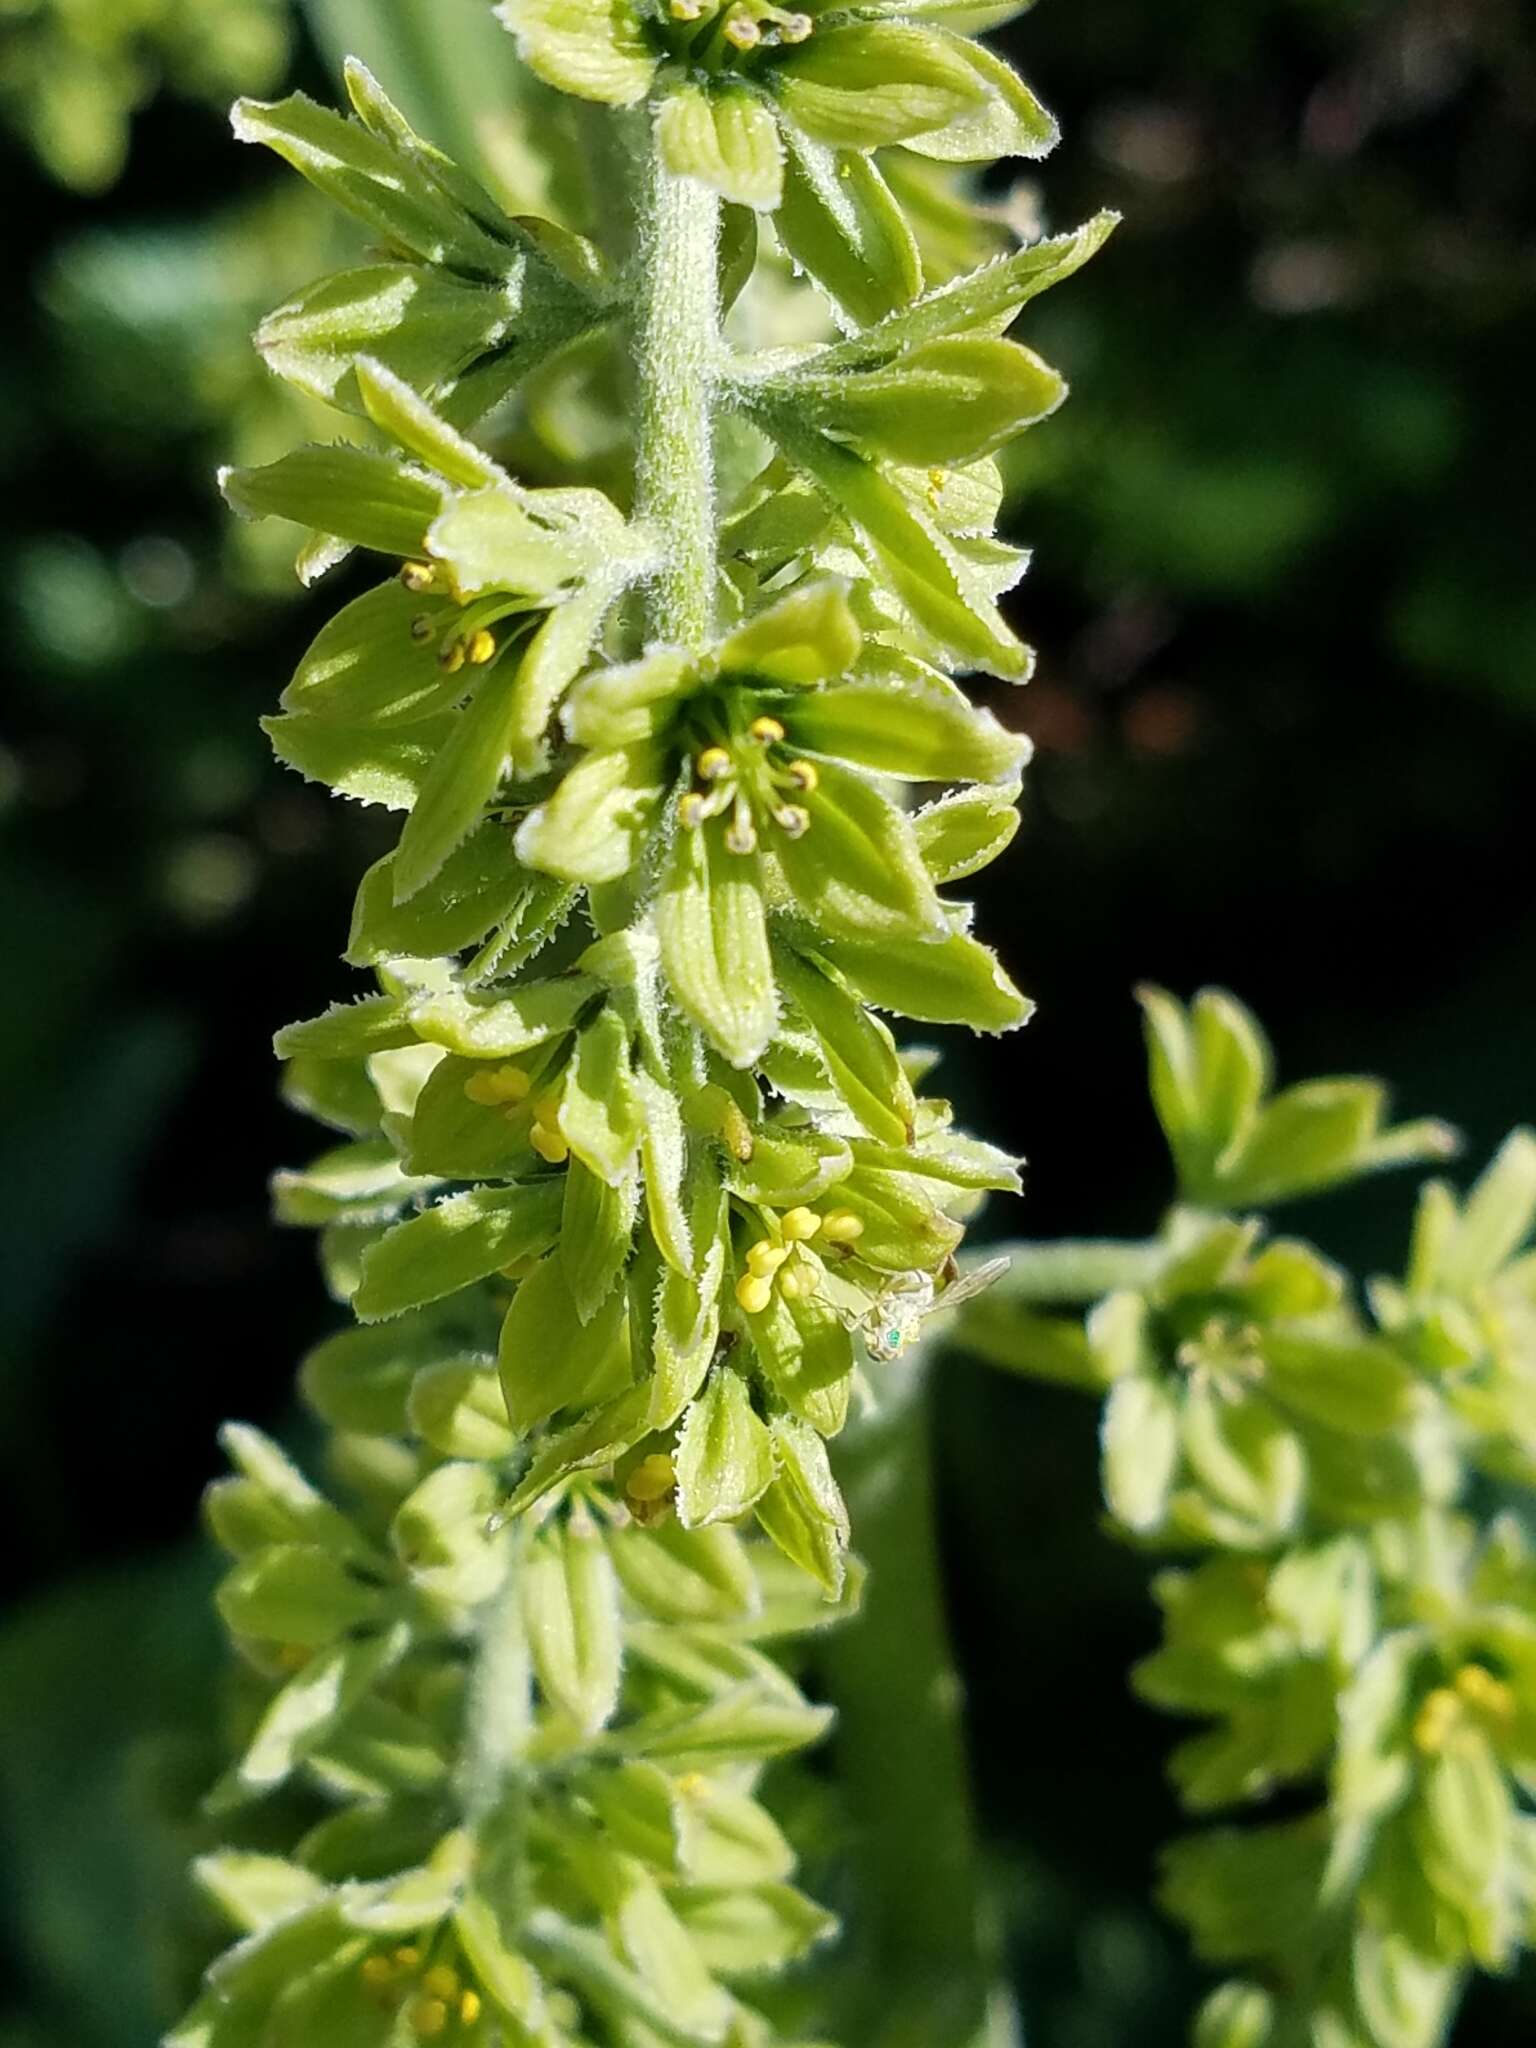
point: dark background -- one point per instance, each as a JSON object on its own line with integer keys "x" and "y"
{"x": 1286, "y": 718}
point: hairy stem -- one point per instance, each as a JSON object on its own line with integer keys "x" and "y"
{"x": 677, "y": 337}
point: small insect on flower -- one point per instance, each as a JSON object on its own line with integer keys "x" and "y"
{"x": 896, "y": 1319}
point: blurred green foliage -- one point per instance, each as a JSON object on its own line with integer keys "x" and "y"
{"x": 1287, "y": 721}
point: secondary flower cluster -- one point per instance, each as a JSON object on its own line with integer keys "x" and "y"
{"x": 1342, "y": 1622}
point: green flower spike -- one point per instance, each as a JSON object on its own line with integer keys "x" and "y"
{"x": 631, "y": 1194}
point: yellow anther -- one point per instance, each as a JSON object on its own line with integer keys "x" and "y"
{"x": 504, "y": 1085}
{"x": 765, "y": 1258}
{"x": 742, "y": 32}
{"x": 547, "y": 1108}
{"x": 799, "y": 1225}
{"x": 422, "y": 627}
{"x": 481, "y": 647}
{"x": 737, "y": 1133}
{"x": 407, "y": 1958}
{"x": 741, "y": 834}
{"x": 766, "y": 731}
{"x": 429, "y": 2018}
{"x": 470, "y": 2008}
{"x": 550, "y": 1145}
{"x": 754, "y": 1293}
{"x": 798, "y": 1280}
{"x": 693, "y": 1785}
{"x": 1435, "y": 1720}
{"x": 937, "y": 479}
{"x": 652, "y": 1479}
{"x": 377, "y": 1972}
{"x": 450, "y": 659}
{"x": 1490, "y": 1695}
{"x": 803, "y": 774}
{"x": 794, "y": 28}
{"x": 712, "y": 764}
{"x": 686, "y": 10}
{"x": 418, "y": 576}
{"x": 793, "y": 820}
{"x": 841, "y": 1226}
{"x": 441, "y": 1981}
{"x": 690, "y": 809}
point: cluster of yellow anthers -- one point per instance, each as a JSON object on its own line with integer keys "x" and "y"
{"x": 507, "y": 1089}
{"x": 787, "y": 1262}
{"x": 747, "y": 22}
{"x": 439, "y": 1997}
{"x": 1473, "y": 1695}
{"x": 744, "y": 786}
{"x": 467, "y": 642}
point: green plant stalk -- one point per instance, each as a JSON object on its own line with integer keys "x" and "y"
{"x": 677, "y": 338}
{"x": 901, "y": 1754}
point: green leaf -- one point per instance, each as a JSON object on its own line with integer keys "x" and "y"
{"x": 599, "y": 1111}
{"x": 456, "y": 1406}
{"x": 300, "y": 1593}
{"x": 839, "y": 222}
{"x": 753, "y": 1930}
{"x": 955, "y": 980}
{"x": 594, "y": 826}
{"x": 857, "y": 872}
{"x": 983, "y": 301}
{"x": 551, "y": 661}
{"x": 630, "y": 702}
{"x": 902, "y": 543}
{"x": 359, "y": 1183}
{"x": 713, "y": 928}
{"x": 424, "y": 324}
{"x": 1497, "y": 1218}
{"x": 1245, "y": 1458}
{"x": 367, "y": 665}
{"x": 803, "y": 1511}
{"x": 408, "y": 420}
{"x": 948, "y": 402}
{"x": 725, "y": 1456}
{"x": 965, "y": 832}
{"x": 309, "y": 1708}
{"x": 490, "y": 540}
{"x": 596, "y": 1234}
{"x": 865, "y": 86}
{"x": 1009, "y": 122}
{"x": 1140, "y": 1441}
{"x": 349, "y": 1030}
{"x": 571, "y": 1608}
{"x": 252, "y": 1890}
{"x": 726, "y": 139}
{"x": 1358, "y": 1387}
{"x": 806, "y": 1354}
{"x": 686, "y": 1575}
{"x": 596, "y": 49}
{"x": 908, "y": 721}
{"x": 444, "y": 1535}
{"x": 809, "y": 637}
{"x": 479, "y": 885}
{"x": 550, "y": 1358}
{"x": 500, "y": 1027}
{"x": 463, "y": 779}
{"x": 372, "y": 766}
{"x": 373, "y": 182}
{"x": 353, "y": 494}
{"x": 459, "y": 1241}
{"x": 859, "y": 1051}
